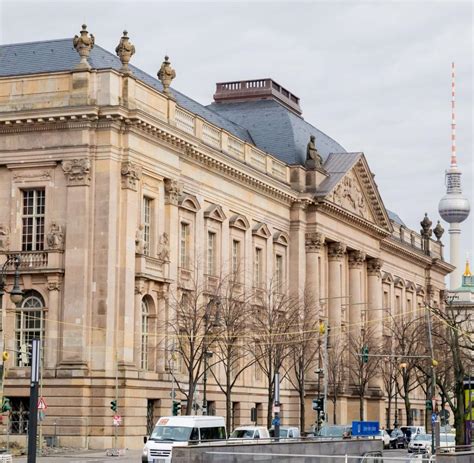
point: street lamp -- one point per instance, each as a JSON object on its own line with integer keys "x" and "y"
{"x": 16, "y": 294}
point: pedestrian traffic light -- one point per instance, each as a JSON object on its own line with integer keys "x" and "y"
{"x": 365, "y": 354}
{"x": 429, "y": 405}
{"x": 6, "y": 406}
{"x": 318, "y": 404}
{"x": 176, "y": 407}
{"x": 113, "y": 405}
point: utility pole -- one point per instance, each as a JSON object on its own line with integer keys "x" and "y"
{"x": 325, "y": 366}
{"x": 33, "y": 418}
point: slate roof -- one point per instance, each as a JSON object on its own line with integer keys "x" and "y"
{"x": 277, "y": 130}
{"x": 395, "y": 217}
{"x": 59, "y": 55}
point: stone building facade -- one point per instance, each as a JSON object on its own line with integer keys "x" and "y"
{"x": 113, "y": 192}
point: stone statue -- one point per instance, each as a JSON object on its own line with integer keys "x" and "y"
{"x": 164, "y": 248}
{"x": 166, "y": 74}
{"x": 313, "y": 158}
{"x": 4, "y": 237}
{"x": 83, "y": 45}
{"x": 140, "y": 244}
{"x": 438, "y": 231}
{"x": 125, "y": 50}
{"x": 426, "y": 223}
{"x": 55, "y": 236}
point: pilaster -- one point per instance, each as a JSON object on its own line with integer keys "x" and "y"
{"x": 356, "y": 264}
{"x": 336, "y": 253}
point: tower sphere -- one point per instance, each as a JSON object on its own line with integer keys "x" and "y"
{"x": 454, "y": 208}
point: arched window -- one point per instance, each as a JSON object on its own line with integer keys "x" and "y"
{"x": 29, "y": 325}
{"x": 145, "y": 314}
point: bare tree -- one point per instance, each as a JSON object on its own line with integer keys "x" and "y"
{"x": 364, "y": 362}
{"x": 305, "y": 347}
{"x": 230, "y": 347}
{"x": 275, "y": 316}
{"x": 336, "y": 351}
{"x": 388, "y": 371}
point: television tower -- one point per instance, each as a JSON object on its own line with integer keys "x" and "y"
{"x": 454, "y": 208}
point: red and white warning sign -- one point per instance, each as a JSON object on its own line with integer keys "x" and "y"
{"x": 42, "y": 404}
{"x": 117, "y": 420}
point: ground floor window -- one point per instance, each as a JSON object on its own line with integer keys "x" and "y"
{"x": 19, "y": 415}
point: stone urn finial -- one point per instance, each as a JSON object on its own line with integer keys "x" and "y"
{"x": 83, "y": 45}
{"x": 426, "y": 223}
{"x": 125, "y": 50}
{"x": 438, "y": 231}
{"x": 166, "y": 74}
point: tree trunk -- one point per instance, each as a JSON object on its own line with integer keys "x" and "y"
{"x": 334, "y": 401}
{"x": 389, "y": 411}
{"x": 361, "y": 406}
{"x": 228, "y": 402}
{"x": 270, "y": 408}
{"x": 302, "y": 410}
{"x": 408, "y": 410}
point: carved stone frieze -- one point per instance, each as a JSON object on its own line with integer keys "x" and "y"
{"x": 77, "y": 171}
{"x": 173, "y": 190}
{"x": 349, "y": 196}
{"x": 314, "y": 241}
{"x": 356, "y": 259}
{"x": 55, "y": 236}
{"x": 131, "y": 173}
{"x": 53, "y": 285}
{"x": 374, "y": 266}
{"x": 31, "y": 176}
{"x": 336, "y": 251}
{"x": 4, "y": 237}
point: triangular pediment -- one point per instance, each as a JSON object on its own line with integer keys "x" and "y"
{"x": 356, "y": 191}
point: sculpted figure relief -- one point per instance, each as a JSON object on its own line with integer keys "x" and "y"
{"x": 83, "y": 44}
{"x": 348, "y": 195}
{"x": 4, "y": 237}
{"x": 164, "y": 248}
{"x": 125, "y": 50}
{"x": 166, "y": 74}
{"x": 55, "y": 236}
{"x": 140, "y": 244}
{"x": 313, "y": 158}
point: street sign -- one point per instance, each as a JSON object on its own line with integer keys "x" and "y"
{"x": 433, "y": 417}
{"x": 365, "y": 428}
{"x": 117, "y": 420}
{"x": 276, "y": 409}
{"x": 42, "y": 404}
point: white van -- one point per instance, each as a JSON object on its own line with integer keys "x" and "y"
{"x": 172, "y": 431}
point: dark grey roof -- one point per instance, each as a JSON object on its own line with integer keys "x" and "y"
{"x": 337, "y": 165}
{"x": 59, "y": 55}
{"x": 395, "y": 217}
{"x": 277, "y": 130}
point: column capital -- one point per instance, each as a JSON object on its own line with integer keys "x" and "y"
{"x": 131, "y": 173}
{"x": 77, "y": 171}
{"x": 356, "y": 259}
{"x": 173, "y": 190}
{"x": 336, "y": 251}
{"x": 313, "y": 241}
{"x": 53, "y": 284}
{"x": 373, "y": 266}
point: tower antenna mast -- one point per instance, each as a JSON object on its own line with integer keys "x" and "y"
{"x": 454, "y": 162}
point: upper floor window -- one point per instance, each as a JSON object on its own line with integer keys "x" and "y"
{"x": 211, "y": 253}
{"x": 279, "y": 273}
{"x": 257, "y": 267}
{"x": 144, "y": 336}
{"x": 184, "y": 245}
{"x": 147, "y": 223}
{"x": 29, "y": 325}
{"x": 235, "y": 256}
{"x": 32, "y": 238}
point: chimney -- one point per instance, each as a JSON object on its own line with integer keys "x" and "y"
{"x": 254, "y": 90}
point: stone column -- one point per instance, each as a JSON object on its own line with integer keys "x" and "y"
{"x": 336, "y": 252}
{"x": 314, "y": 241}
{"x": 356, "y": 263}
{"x": 375, "y": 313}
{"x": 52, "y": 341}
{"x": 77, "y": 278}
{"x": 296, "y": 277}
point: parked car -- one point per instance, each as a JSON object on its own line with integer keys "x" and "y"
{"x": 250, "y": 432}
{"x": 412, "y": 431}
{"x": 447, "y": 442}
{"x": 385, "y": 437}
{"x": 397, "y": 439}
{"x": 286, "y": 432}
{"x": 421, "y": 443}
{"x": 335, "y": 432}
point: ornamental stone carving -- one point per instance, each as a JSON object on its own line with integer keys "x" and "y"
{"x": 53, "y": 285}
{"x": 313, "y": 158}
{"x": 77, "y": 171}
{"x": 4, "y": 237}
{"x": 166, "y": 74}
{"x": 349, "y": 195}
{"x": 125, "y": 50}
{"x": 438, "y": 231}
{"x": 356, "y": 259}
{"x": 173, "y": 191}
{"x": 55, "y": 236}
{"x": 131, "y": 173}
{"x": 426, "y": 223}
{"x": 314, "y": 241}
{"x": 336, "y": 251}
{"x": 373, "y": 266}
{"x": 140, "y": 243}
{"x": 164, "y": 248}
{"x": 83, "y": 44}
{"x": 140, "y": 287}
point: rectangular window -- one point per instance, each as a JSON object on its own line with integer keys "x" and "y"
{"x": 235, "y": 256}
{"x": 147, "y": 224}
{"x": 211, "y": 253}
{"x": 279, "y": 273}
{"x": 184, "y": 245}
{"x": 257, "y": 269}
{"x": 33, "y": 220}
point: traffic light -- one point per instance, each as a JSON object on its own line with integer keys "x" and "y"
{"x": 113, "y": 405}
{"x": 176, "y": 407}
{"x": 365, "y": 354}
{"x": 6, "y": 406}
{"x": 429, "y": 405}
{"x": 318, "y": 404}
{"x": 5, "y": 356}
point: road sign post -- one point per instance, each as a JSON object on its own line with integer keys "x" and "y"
{"x": 33, "y": 417}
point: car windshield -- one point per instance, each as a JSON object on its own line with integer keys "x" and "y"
{"x": 242, "y": 434}
{"x": 423, "y": 437}
{"x": 396, "y": 433}
{"x": 332, "y": 431}
{"x": 283, "y": 432}
{"x": 447, "y": 438}
{"x": 171, "y": 433}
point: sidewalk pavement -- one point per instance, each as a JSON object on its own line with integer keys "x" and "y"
{"x": 91, "y": 456}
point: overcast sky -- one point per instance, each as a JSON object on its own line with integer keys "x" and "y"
{"x": 375, "y": 76}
